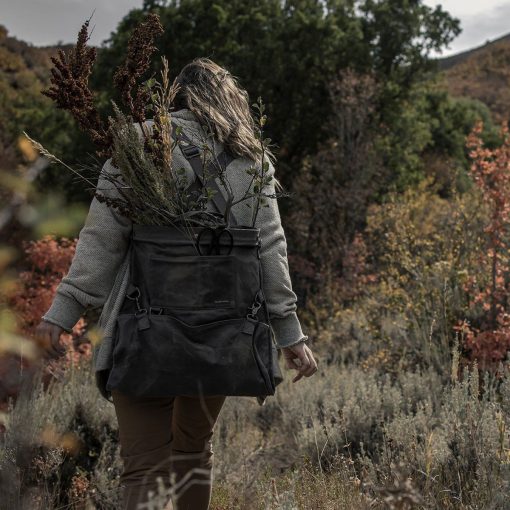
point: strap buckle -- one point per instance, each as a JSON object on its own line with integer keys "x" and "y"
{"x": 134, "y": 294}
{"x": 142, "y": 319}
{"x": 255, "y": 307}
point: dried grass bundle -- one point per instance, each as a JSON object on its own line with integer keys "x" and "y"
{"x": 150, "y": 190}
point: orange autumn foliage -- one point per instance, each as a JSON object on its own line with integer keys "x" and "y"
{"x": 45, "y": 261}
{"x": 489, "y": 341}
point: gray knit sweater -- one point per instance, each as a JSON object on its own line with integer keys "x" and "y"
{"x": 99, "y": 273}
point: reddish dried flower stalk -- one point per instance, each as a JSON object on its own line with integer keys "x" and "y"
{"x": 139, "y": 54}
{"x": 70, "y": 90}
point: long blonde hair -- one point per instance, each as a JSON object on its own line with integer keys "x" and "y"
{"x": 217, "y": 100}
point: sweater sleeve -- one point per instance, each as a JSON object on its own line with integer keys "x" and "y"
{"x": 277, "y": 286}
{"x": 100, "y": 250}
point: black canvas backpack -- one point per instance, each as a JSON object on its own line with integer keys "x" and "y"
{"x": 194, "y": 320}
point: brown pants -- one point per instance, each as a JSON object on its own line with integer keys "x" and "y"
{"x": 167, "y": 437}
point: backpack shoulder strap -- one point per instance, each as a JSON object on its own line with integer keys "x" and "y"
{"x": 193, "y": 154}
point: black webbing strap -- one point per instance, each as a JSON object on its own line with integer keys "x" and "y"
{"x": 193, "y": 154}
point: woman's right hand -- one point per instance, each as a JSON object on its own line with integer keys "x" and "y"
{"x": 300, "y": 358}
{"x": 48, "y": 336}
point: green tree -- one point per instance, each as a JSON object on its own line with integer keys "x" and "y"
{"x": 287, "y": 52}
{"x": 429, "y": 139}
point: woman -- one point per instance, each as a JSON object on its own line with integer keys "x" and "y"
{"x": 173, "y": 435}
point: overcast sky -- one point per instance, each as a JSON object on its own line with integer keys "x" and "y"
{"x": 44, "y": 22}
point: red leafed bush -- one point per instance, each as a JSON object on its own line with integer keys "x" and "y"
{"x": 46, "y": 261}
{"x": 489, "y": 341}
{"x": 489, "y": 347}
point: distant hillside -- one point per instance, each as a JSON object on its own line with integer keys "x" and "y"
{"x": 458, "y": 58}
{"x": 482, "y": 73}
{"x": 24, "y": 72}
{"x": 17, "y": 54}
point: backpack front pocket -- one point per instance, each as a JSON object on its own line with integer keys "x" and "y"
{"x": 173, "y": 357}
{"x": 192, "y": 281}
